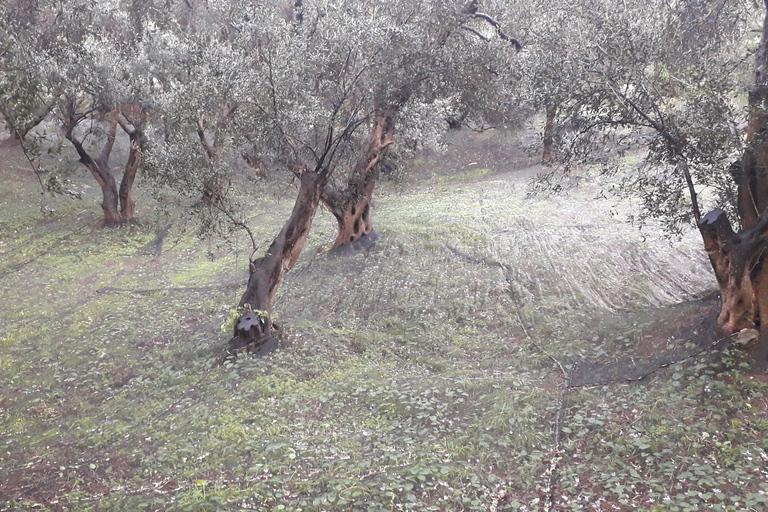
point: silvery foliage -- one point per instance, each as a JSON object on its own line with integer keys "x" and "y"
{"x": 645, "y": 73}
{"x": 298, "y": 77}
{"x": 80, "y": 59}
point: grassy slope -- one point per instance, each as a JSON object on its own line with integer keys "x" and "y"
{"x": 412, "y": 377}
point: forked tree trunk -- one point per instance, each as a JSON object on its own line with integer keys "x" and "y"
{"x": 117, "y": 204}
{"x": 253, "y": 329}
{"x": 739, "y": 259}
{"x": 134, "y": 127}
{"x": 549, "y": 133}
{"x": 101, "y": 172}
{"x": 352, "y": 206}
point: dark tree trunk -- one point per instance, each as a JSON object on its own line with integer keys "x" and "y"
{"x": 739, "y": 259}
{"x": 549, "y": 133}
{"x": 352, "y": 206}
{"x": 254, "y": 329}
{"x": 101, "y": 172}
{"x": 117, "y": 204}
{"x": 127, "y": 205}
{"x": 134, "y": 119}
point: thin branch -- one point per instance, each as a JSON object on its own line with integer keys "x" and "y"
{"x": 499, "y": 31}
{"x": 477, "y": 33}
{"x": 235, "y": 221}
{"x": 201, "y": 135}
{"x": 127, "y": 125}
{"x": 32, "y": 163}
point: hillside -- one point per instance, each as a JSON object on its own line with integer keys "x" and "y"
{"x": 492, "y": 351}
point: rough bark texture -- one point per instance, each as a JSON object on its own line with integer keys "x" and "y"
{"x": 117, "y": 204}
{"x": 254, "y": 329}
{"x": 729, "y": 253}
{"x": 739, "y": 258}
{"x": 352, "y": 206}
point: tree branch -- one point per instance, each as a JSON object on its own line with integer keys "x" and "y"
{"x": 201, "y": 135}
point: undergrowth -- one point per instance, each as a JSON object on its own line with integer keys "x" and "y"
{"x": 410, "y": 377}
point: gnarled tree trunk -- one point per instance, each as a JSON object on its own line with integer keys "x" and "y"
{"x": 352, "y": 206}
{"x": 117, "y": 204}
{"x": 266, "y": 273}
{"x": 739, "y": 259}
{"x": 100, "y": 170}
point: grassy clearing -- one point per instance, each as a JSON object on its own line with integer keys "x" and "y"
{"x": 405, "y": 381}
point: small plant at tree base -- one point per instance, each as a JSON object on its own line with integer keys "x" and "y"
{"x": 236, "y": 313}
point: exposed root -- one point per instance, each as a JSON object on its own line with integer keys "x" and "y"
{"x": 259, "y": 346}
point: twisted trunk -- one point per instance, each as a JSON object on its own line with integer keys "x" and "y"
{"x": 100, "y": 171}
{"x": 352, "y": 206}
{"x": 739, "y": 259}
{"x": 253, "y": 330}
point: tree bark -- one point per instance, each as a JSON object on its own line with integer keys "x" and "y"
{"x": 127, "y": 205}
{"x": 266, "y": 273}
{"x": 117, "y": 204}
{"x": 739, "y": 259}
{"x": 549, "y": 133}
{"x": 101, "y": 172}
{"x": 733, "y": 256}
{"x": 352, "y": 206}
{"x": 134, "y": 127}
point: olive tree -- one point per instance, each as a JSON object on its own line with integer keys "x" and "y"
{"x": 87, "y": 67}
{"x": 436, "y": 64}
{"x": 319, "y": 90}
{"x": 673, "y": 77}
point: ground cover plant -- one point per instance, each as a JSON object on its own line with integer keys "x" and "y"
{"x": 477, "y": 357}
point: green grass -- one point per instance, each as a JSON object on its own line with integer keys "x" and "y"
{"x": 405, "y": 380}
